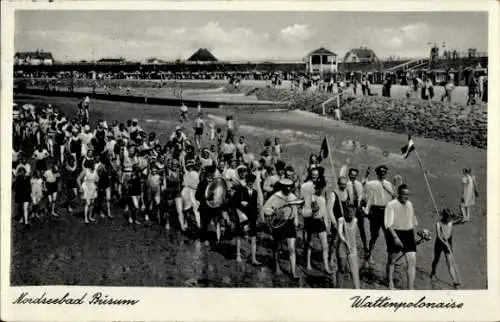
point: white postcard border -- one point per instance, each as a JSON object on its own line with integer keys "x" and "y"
{"x": 251, "y": 304}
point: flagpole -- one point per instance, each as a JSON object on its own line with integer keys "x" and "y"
{"x": 427, "y": 182}
{"x": 330, "y": 151}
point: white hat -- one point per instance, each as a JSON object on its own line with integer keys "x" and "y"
{"x": 286, "y": 182}
{"x": 135, "y": 120}
{"x": 178, "y": 128}
{"x": 86, "y": 128}
{"x": 241, "y": 167}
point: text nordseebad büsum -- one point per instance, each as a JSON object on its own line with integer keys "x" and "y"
{"x": 68, "y": 299}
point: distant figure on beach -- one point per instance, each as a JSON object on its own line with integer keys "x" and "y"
{"x": 184, "y": 112}
{"x": 386, "y": 87}
{"x": 230, "y": 127}
{"x": 427, "y": 89}
{"x": 448, "y": 89}
{"x": 365, "y": 86}
{"x": 469, "y": 193}
{"x": 472, "y": 90}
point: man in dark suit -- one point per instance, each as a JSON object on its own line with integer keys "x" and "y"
{"x": 245, "y": 204}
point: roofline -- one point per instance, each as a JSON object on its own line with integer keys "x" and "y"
{"x": 330, "y": 52}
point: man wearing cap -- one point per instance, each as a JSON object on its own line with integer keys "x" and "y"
{"x": 378, "y": 194}
{"x": 274, "y": 206}
{"x": 178, "y": 137}
{"x": 400, "y": 222}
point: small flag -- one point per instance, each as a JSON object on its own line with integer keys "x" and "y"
{"x": 323, "y": 152}
{"x": 408, "y": 148}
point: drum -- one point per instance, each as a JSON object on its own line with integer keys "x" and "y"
{"x": 216, "y": 193}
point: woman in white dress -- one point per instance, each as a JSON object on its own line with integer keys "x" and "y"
{"x": 87, "y": 181}
{"x": 469, "y": 193}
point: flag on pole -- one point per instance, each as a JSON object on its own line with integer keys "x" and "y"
{"x": 406, "y": 150}
{"x": 324, "y": 151}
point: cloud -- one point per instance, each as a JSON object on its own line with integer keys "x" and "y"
{"x": 395, "y": 42}
{"x": 415, "y": 32}
{"x": 297, "y": 32}
{"x": 405, "y": 41}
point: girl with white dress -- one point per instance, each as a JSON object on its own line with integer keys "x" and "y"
{"x": 87, "y": 181}
{"x": 36, "y": 192}
{"x": 469, "y": 193}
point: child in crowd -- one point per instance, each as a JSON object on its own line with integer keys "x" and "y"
{"x": 23, "y": 193}
{"x": 36, "y": 192}
{"x": 347, "y": 251}
{"x": 51, "y": 178}
{"x": 443, "y": 245}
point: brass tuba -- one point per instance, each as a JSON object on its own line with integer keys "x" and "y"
{"x": 284, "y": 213}
{"x": 216, "y": 193}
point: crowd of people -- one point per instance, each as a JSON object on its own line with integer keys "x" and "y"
{"x": 211, "y": 179}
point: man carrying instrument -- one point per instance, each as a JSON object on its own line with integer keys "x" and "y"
{"x": 206, "y": 198}
{"x": 282, "y": 215}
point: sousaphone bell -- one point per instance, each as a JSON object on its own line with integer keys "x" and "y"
{"x": 216, "y": 193}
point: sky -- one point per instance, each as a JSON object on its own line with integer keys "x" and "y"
{"x": 243, "y": 35}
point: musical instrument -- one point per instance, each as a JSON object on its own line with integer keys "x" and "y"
{"x": 424, "y": 236}
{"x": 216, "y": 193}
{"x": 284, "y": 213}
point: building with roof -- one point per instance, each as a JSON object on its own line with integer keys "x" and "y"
{"x": 112, "y": 61}
{"x": 38, "y": 57}
{"x": 321, "y": 61}
{"x": 360, "y": 55}
{"x": 202, "y": 55}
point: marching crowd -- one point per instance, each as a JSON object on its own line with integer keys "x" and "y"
{"x": 194, "y": 186}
